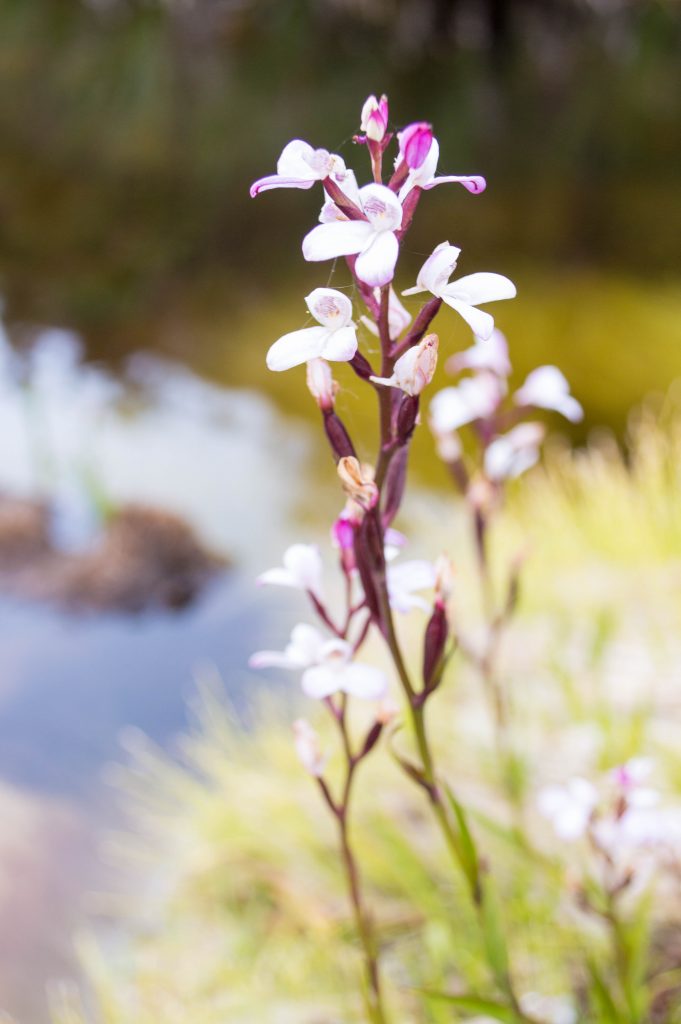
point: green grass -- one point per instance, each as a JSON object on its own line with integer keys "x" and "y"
{"x": 243, "y": 915}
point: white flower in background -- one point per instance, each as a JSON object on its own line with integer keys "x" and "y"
{"x": 334, "y": 338}
{"x": 327, "y": 666}
{"x": 302, "y": 569}
{"x": 405, "y": 579}
{"x": 373, "y": 240}
{"x": 486, "y": 354}
{"x": 474, "y": 398}
{"x": 307, "y": 746}
{"x": 569, "y": 808}
{"x": 300, "y": 166}
{"x": 374, "y": 119}
{"x": 515, "y": 452}
{"x": 425, "y": 177}
{"x": 398, "y": 317}
{"x": 547, "y": 388}
{"x": 465, "y": 294}
{"x": 415, "y": 369}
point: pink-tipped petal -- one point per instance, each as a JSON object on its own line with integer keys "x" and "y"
{"x": 473, "y": 183}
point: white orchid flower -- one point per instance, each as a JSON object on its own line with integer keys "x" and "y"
{"x": 513, "y": 453}
{"x": 327, "y": 666}
{"x": 474, "y": 398}
{"x": 300, "y": 166}
{"x": 489, "y": 354}
{"x": 373, "y": 239}
{"x": 465, "y": 294}
{"x": 404, "y": 579}
{"x": 415, "y": 369}
{"x": 425, "y": 176}
{"x": 547, "y": 388}
{"x": 569, "y": 807}
{"x": 398, "y": 317}
{"x": 335, "y": 337}
{"x": 302, "y": 569}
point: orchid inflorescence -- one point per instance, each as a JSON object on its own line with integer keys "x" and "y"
{"x": 367, "y": 224}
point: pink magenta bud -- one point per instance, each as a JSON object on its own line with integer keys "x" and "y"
{"x": 343, "y": 533}
{"x": 375, "y": 118}
{"x": 415, "y": 142}
{"x": 321, "y": 384}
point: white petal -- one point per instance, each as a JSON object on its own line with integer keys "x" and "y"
{"x": 329, "y": 307}
{"x": 381, "y": 206}
{"x": 272, "y": 659}
{"x": 320, "y": 681}
{"x": 304, "y": 563}
{"x": 363, "y": 681}
{"x": 277, "y": 578}
{"x": 307, "y": 642}
{"x": 341, "y": 238}
{"x": 295, "y": 158}
{"x": 481, "y": 322}
{"x": 482, "y": 287}
{"x": 416, "y": 574}
{"x": 486, "y": 354}
{"x": 376, "y": 264}
{"x": 438, "y": 268}
{"x": 296, "y": 347}
{"x": 340, "y": 345}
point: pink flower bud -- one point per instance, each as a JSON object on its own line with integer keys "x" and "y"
{"x": 343, "y": 534}
{"x": 375, "y": 118}
{"x": 415, "y": 142}
{"x": 321, "y": 384}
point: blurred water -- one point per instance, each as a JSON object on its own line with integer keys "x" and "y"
{"x": 69, "y": 683}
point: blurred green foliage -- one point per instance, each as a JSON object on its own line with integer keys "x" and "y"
{"x": 130, "y": 130}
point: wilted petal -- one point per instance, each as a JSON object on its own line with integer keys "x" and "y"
{"x": 340, "y": 238}
{"x": 376, "y": 264}
{"x": 297, "y": 347}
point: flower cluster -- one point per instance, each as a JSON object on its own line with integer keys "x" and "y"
{"x": 366, "y": 224}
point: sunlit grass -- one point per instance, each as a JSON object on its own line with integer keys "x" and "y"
{"x": 244, "y": 916}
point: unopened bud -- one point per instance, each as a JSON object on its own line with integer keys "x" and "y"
{"x": 375, "y": 118}
{"x": 358, "y": 481}
{"x": 407, "y": 418}
{"x": 339, "y": 439}
{"x": 307, "y": 747}
{"x": 435, "y": 639}
{"x": 415, "y": 142}
{"x": 321, "y": 384}
{"x": 343, "y": 537}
